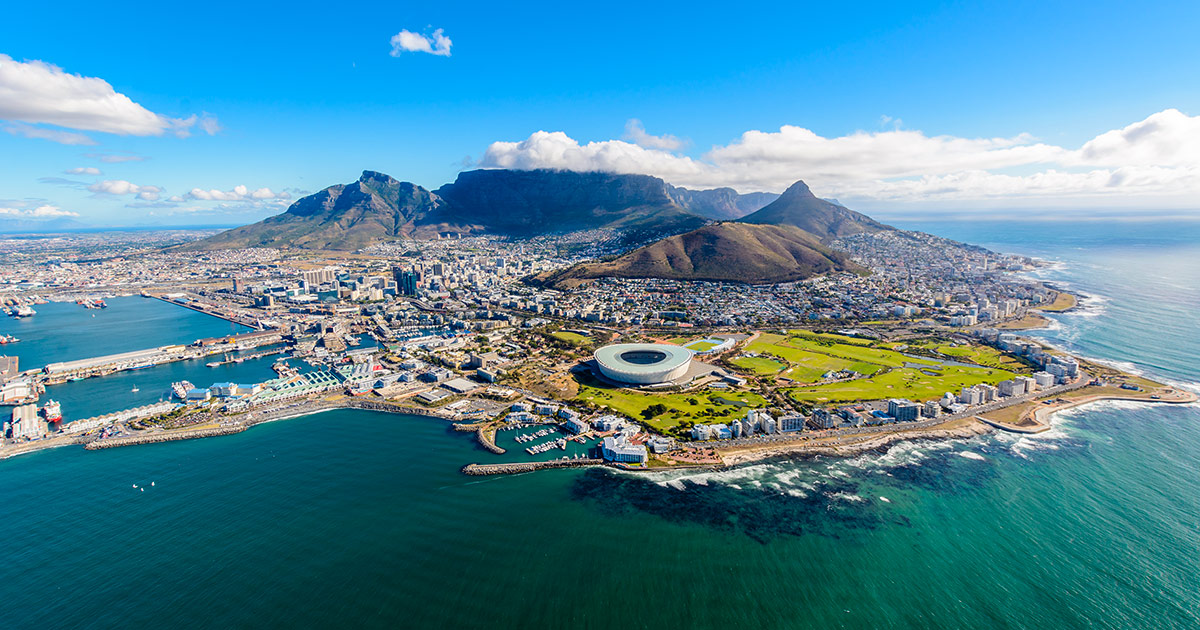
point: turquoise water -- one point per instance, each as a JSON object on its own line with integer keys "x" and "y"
{"x": 65, "y": 331}
{"x": 362, "y": 519}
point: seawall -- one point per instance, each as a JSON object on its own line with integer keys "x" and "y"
{"x": 164, "y": 436}
{"x": 521, "y": 467}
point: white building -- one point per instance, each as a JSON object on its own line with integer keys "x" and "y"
{"x": 619, "y": 449}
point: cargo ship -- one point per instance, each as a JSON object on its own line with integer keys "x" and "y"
{"x": 52, "y": 412}
{"x": 24, "y": 311}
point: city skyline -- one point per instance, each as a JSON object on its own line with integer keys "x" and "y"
{"x": 898, "y": 112}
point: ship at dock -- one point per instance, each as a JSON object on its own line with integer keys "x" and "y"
{"x": 52, "y": 411}
{"x": 180, "y": 389}
{"x": 7, "y": 339}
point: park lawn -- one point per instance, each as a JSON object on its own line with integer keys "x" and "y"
{"x": 700, "y": 346}
{"x": 571, "y": 338}
{"x": 878, "y": 356}
{"x": 683, "y": 340}
{"x": 983, "y": 355}
{"x": 759, "y": 365}
{"x": 832, "y": 337}
{"x": 908, "y": 383}
{"x": 631, "y": 403}
{"x": 807, "y": 366}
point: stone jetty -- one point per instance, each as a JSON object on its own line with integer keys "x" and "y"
{"x": 163, "y": 436}
{"x": 521, "y": 467}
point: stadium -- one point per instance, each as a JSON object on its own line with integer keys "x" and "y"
{"x": 643, "y": 363}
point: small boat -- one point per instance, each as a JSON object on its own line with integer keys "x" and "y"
{"x": 135, "y": 389}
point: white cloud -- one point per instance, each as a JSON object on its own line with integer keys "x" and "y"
{"x": 435, "y": 44}
{"x": 36, "y": 92}
{"x": 83, "y": 170}
{"x": 53, "y": 135}
{"x": 38, "y": 212}
{"x": 122, "y": 187}
{"x": 635, "y": 132}
{"x": 1155, "y": 159}
{"x": 116, "y": 158}
{"x": 239, "y": 193}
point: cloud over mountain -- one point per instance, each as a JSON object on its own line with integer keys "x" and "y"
{"x": 1158, "y": 157}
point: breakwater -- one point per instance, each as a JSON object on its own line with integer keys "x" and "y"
{"x": 163, "y": 436}
{"x": 487, "y": 437}
{"x": 520, "y": 467}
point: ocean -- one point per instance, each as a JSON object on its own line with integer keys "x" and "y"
{"x": 350, "y": 518}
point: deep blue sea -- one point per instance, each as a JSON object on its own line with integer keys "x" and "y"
{"x": 362, "y": 519}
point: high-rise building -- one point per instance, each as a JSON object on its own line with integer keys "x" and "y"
{"x": 903, "y": 410}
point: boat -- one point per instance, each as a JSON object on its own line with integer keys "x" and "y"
{"x": 180, "y": 389}
{"x": 7, "y": 339}
{"x": 24, "y": 311}
{"x": 214, "y": 364}
{"x": 135, "y": 389}
{"x": 75, "y": 378}
{"x": 52, "y": 411}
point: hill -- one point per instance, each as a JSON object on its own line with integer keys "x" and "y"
{"x": 798, "y": 207}
{"x": 343, "y": 217}
{"x": 733, "y": 252}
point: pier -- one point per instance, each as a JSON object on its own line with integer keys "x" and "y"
{"x": 247, "y": 357}
{"x": 61, "y": 372}
{"x": 521, "y": 467}
{"x": 163, "y": 436}
{"x": 200, "y": 307}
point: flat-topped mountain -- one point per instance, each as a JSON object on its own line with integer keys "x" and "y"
{"x": 797, "y": 206}
{"x": 527, "y": 203}
{"x": 732, "y": 251}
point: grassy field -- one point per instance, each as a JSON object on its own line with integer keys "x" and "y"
{"x": 1062, "y": 302}
{"x": 831, "y": 337}
{"x": 1030, "y": 321}
{"x": 908, "y": 383}
{"x": 759, "y": 365}
{"x": 986, "y": 356}
{"x": 571, "y": 338}
{"x": 696, "y": 407}
{"x": 854, "y": 352}
{"x": 700, "y": 346}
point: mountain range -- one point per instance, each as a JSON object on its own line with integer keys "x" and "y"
{"x": 378, "y": 208}
{"x": 772, "y": 238}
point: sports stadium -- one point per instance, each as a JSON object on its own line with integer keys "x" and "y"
{"x": 643, "y": 363}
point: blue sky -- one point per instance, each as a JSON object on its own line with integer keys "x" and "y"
{"x": 967, "y": 107}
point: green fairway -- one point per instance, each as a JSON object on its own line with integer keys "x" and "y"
{"x": 759, "y": 365}
{"x": 696, "y": 407}
{"x": 854, "y": 352}
{"x": 908, "y": 383}
{"x": 809, "y": 364}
